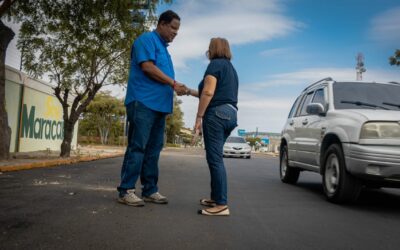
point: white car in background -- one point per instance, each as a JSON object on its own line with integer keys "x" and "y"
{"x": 237, "y": 146}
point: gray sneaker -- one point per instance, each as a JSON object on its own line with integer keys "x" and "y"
{"x": 131, "y": 199}
{"x": 156, "y": 198}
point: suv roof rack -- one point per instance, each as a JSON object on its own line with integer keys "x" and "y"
{"x": 315, "y": 83}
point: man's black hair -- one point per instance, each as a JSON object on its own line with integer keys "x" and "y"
{"x": 167, "y": 17}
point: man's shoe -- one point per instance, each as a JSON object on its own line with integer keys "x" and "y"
{"x": 131, "y": 199}
{"x": 156, "y": 198}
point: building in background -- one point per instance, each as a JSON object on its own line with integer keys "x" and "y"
{"x": 34, "y": 114}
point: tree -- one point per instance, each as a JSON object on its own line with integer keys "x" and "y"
{"x": 104, "y": 114}
{"x": 252, "y": 140}
{"x": 83, "y": 45}
{"x": 174, "y": 121}
{"x": 395, "y": 59}
{"x": 6, "y": 35}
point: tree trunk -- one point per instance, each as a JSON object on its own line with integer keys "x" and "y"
{"x": 105, "y": 136}
{"x": 69, "y": 121}
{"x": 6, "y": 35}
{"x": 101, "y": 136}
{"x": 68, "y": 134}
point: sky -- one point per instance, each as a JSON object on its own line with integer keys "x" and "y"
{"x": 279, "y": 47}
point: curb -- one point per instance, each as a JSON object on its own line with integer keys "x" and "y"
{"x": 53, "y": 163}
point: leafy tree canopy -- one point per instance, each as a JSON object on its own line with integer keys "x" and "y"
{"x": 82, "y": 45}
{"x": 395, "y": 59}
{"x": 174, "y": 121}
{"x": 253, "y": 140}
{"x": 105, "y": 114}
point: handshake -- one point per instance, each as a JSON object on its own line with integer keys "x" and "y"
{"x": 181, "y": 89}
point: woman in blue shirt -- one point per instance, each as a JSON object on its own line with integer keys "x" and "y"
{"x": 217, "y": 116}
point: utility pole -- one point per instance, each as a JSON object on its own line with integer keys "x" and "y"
{"x": 360, "y": 66}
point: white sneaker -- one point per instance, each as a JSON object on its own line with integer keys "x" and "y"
{"x": 156, "y": 198}
{"x": 131, "y": 199}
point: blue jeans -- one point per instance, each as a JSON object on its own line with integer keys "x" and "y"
{"x": 145, "y": 142}
{"x": 218, "y": 123}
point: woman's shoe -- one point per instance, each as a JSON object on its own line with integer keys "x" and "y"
{"x": 208, "y": 203}
{"x": 222, "y": 212}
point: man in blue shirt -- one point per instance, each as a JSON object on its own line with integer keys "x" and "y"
{"x": 149, "y": 98}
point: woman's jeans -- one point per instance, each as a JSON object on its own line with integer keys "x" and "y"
{"x": 145, "y": 142}
{"x": 218, "y": 123}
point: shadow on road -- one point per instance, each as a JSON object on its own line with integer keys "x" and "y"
{"x": 383, "y": 199}
{"x": 378, "y": 199}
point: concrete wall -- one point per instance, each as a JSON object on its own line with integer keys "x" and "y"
{"x": 34, "y": 114}
{"x": 13, "y": 105}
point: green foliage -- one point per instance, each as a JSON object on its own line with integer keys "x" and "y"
{"x": 187, "y": 139}
{"x": 174, "y": 121}
{"x": 103, "y": 117}
{"x": 395, "y": 59}
{"x": 253, "y": 140}
{"x": 78, "y": 43}
{"x": 82, "y": 45}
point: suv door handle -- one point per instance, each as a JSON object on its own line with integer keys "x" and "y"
{"x": 305, "y": 121}
{"x": 291, "y": 122}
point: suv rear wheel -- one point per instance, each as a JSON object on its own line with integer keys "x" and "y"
{"x": 339, "y": 185}
{"x": 288, "y": 174}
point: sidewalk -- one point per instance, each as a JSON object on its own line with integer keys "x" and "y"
{"x": 40, "y": 159}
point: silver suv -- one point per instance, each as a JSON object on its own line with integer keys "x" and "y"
{"x": 349, "y": 132}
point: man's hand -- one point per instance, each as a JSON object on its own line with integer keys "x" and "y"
{"x": 180, "y": 89}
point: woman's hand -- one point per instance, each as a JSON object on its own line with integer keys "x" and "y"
{"x": 197, "y": 125}
{"x": 197, "y": 129}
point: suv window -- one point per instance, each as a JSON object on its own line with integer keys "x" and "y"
{"x": 361, "y": 95}
{"x": 294, "y": 107}
{"x": 307, "y": 100}
{"x": 319, "y": 97}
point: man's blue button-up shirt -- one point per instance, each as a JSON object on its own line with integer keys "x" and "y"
{"x": 154, "y": 95}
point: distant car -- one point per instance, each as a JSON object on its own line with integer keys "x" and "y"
{"x": 349, "y": 132}
{"x": 236, "y": 146}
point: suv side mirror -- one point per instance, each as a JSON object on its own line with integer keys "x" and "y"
{"x": 315, "y": 109}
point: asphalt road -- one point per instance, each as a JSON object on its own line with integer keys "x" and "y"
{"x": 74, "y": 207}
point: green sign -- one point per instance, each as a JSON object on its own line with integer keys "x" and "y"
{"x": 40, "y": 128}
{"x": 241, "y": 132}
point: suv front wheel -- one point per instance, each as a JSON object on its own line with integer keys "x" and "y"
{"x": 288, "y": 174}
{"x": 339, "y": 185}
